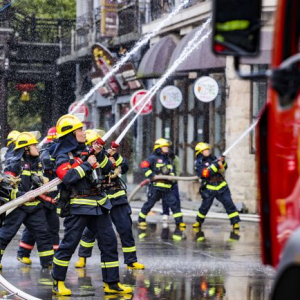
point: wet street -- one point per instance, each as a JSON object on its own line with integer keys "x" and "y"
{"x": 214, "y": 263}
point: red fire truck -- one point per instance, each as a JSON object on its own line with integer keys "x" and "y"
{"x": 236, "y": 31}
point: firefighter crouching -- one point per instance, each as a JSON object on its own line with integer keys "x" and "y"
{"x": 88, "y": 206}
{"x": 158, "y": 163}
{"x": 210, "y": 170}
{"x": 27, "y": 241}
{"x": 25, "y": 162}
{"x": 120, "y": 212}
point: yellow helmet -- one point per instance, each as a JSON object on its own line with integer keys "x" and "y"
{"x": 161, "y": 143}
{"x": 201, "y": 147}
{"x": 91, "y": 136}
{"x": 25, "y": 139}
{"x": 12, "y": 136}
{"x": 67, "y": 124}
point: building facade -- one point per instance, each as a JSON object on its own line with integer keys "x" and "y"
{"x": 117, "y": 26}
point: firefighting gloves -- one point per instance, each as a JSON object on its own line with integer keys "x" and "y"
{"x": 9, "y": 181}
{"x": 38, "y": 180}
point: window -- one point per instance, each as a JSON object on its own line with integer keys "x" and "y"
{"x": 258, "y": 100}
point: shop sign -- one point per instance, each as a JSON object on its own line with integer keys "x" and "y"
{"x": 170, "y": 97}
{"x": 136, "y": 98}
{"x": 81, "y": 111}
{"x": 206, "y": 89}
{"x": 109, "y": 18}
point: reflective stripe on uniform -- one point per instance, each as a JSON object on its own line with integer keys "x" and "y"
{"x": 142, "y": 235}
{"x": 116, "y": 195}
{"x": 80, "y": 171}
{"x": 32, "y": 203}
{"x": 46, "y": 253}
{"x": 216, "y": 188}
{"x": 26, "y": 246}
{"x": 13, "y": 194}
{"x": 176, "y": 237}
{"x": 200, "y": 215}
{"x": 2, "y": 252}
{"x": 62, "y": 263}
{"x": 235, "y": 214}
{"x": 128, "y": 249}
{"x": 214, "y": 168}
{"x": 159, "y": 165}
{"x": 26, "y": 173}
{"x": 58, "y": 210}
{"x": 148, "y": 173}
{"x": 104, "y": 162}
{"x": 233, "y": 25}
{"x": 142, "y": 215}
{"x": 177, "y": 215}
{"x": 161, "y": 184}
{"x": 119, "y": 160}
{"x": 110, "y": 264}
{"x": 87, "y": 245}
{"x": 83, "y": 202}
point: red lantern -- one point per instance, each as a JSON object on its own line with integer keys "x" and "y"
{"x": 25, "y": 88}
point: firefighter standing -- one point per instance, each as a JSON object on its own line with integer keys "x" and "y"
{"x": 31, "y": 214}
{"x": 120, "y": 212}
{"x": 210, "y": 170}
{"x": 88, "y": 206}
{"x": 158, "y": 163}
{"x": 27, "y": 241}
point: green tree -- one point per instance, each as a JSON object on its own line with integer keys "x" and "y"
{"x": 48, "y": 9}
{"x": 25, "y": 115}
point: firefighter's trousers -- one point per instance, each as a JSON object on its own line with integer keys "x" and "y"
{"x": 36, "y": 223}
{"x": 167, "y": 195}
{"x": 165, "y": 206}
{"x": 120, "y": 215}
{"x": 101, "y": 226}
{"x": 224, "y": 197}
{"x": 27, "y": 241}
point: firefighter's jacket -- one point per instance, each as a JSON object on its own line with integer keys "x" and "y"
{"x": 85, "y": 198}
{"x": 158, "y": 164}
{"x": 211, "y": 174}
{"x": 27, "y": 168}
{"x": 48, "y": 163}
{"x": 113, "y": 185}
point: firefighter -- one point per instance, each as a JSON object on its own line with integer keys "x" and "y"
{"x": 210, "y": 170}
{"x": 49, "y": 205}
{"x": 10, "y": 143}
{"x": 26, "y": 163}
{"x": 120, "y": 212}
{"x": 174, "y": 159}
{"x": 158, "y": 163}
{"x": 85, "y": 206}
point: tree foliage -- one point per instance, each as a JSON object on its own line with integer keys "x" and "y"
{"x": 48, "y": 9}
{"x": 25, "y": 115}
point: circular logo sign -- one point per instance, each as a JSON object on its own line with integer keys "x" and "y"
{"x": 138, "y": 99}
{"x": 206, "y": 89}
{"x": 170, "y": 97}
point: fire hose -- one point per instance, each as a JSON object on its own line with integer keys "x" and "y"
{"x": 171, "y": 178}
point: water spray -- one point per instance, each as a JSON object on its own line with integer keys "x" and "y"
{"x": 192, "y": 45}
{"x": 143, "y": 41}
{"x": 186, "y": 52}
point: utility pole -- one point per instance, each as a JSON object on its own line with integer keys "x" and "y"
{"x": 5, "y": 35}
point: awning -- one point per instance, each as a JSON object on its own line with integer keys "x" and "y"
{"x": 100, "y": 100}
{"x": 155, "y": 61}
{"x": 266, "y": 47}
{"x": 201, "y": 58}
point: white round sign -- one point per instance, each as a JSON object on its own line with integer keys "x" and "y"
{"x": 206, "y": 89}
{"x": 170, "y": 97}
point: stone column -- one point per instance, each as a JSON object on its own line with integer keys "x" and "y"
{"x": 241, "y": 174}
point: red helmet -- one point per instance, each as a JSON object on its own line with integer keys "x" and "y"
{"x": 51, "y": 135}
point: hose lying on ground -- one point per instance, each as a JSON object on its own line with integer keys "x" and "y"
{"x": 172, "y": 178}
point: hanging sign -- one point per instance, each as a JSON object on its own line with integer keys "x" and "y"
{"x": 170, "y": 97}
{"x": 136, "y": 98}
{"x": 206, "y": 89}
